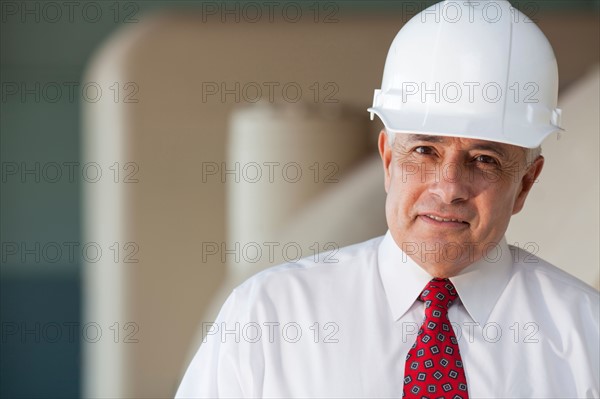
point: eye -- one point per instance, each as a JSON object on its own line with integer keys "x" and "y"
{"x": 486, "y": 159}
{"x": 424, "y": 150}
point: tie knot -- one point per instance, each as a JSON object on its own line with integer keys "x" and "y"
{"x": 439, "y": 293}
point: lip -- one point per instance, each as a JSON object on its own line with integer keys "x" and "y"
{"x": 443, "y": 220}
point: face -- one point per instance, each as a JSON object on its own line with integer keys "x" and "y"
{"x": 449, "y": 199}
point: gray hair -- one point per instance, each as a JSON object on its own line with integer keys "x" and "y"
{"x": 531, "y": 154}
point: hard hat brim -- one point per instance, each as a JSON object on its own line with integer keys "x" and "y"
{"x": 474, "y": 127}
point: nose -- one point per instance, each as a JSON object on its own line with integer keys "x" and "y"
{"x": 452, "y": 183}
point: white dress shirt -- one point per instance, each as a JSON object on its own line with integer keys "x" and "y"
{"x": 341, "y": 326}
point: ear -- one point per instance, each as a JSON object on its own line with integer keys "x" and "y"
{"x": 529, "y": 178}
{"x": 386, "y": 158}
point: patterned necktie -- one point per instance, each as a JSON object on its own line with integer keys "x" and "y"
{"x": 433, "y": 365}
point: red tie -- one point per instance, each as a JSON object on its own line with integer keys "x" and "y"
{"x": 433, "y": 367}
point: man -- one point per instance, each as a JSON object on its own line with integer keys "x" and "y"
{"x": 440, "y": 306}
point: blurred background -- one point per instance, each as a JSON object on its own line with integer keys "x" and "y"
{"x": 155, "y": 154}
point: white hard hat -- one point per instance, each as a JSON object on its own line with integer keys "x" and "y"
{"x": 475, "y": 69}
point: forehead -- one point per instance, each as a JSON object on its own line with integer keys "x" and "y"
{"x": 465, "y": 144}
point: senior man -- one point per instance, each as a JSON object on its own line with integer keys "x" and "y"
{"x": 440, "y": 306}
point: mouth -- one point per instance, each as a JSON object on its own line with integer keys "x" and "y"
{"x": 444, "y": 219}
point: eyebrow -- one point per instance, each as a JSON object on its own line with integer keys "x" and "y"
{"x": 483, "y": 146}
{"x": 490, "y": 147}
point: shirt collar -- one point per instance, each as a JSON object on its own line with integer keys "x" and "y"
{"x": 479, "y": 285}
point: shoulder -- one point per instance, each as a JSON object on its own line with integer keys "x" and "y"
{"x": 565, "y": 313}
{"x": 346, "y": 260}
{"x": 318, "y": 274}
{"x": 552, "y": 283}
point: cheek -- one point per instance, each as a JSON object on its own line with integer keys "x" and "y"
{"x": 495, "y": 205}
{"x": 403, "y": 194}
